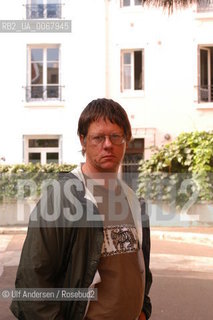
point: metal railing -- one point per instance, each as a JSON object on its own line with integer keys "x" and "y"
{"x": 204, "y": 5}
{"x": 205, "y": 94}
{"x": 130, "y": 171}
{"x": 43, "y": 11}
{"x": 43, "y": 93}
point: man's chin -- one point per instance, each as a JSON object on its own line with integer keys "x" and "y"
{"x": 109, "y": 167}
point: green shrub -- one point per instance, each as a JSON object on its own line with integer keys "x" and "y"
{"x": 11, "y": 175}
{"x": 180, "y": 170}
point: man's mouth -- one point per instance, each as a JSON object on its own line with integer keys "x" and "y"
{"x": 109, "y": 156}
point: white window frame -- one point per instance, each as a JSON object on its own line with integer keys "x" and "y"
{"x": 45, "y": 84}
{"x": 43, "y": 151}
{"x": 132, "y": 89}
{"x": 207, "y": 91}
{"x": 44, "y": 3}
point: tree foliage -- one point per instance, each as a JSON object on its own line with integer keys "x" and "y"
{"x": 171, "y": 4}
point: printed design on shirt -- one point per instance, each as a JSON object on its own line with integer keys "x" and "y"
{"x": 119, "y": 239}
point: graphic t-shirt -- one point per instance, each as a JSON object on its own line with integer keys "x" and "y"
{"x": 121, "y": 290}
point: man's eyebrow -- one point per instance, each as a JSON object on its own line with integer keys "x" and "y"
{"x": 104, "y": 134}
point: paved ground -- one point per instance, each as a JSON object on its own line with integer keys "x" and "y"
{"x": 182, "y": 280}
{"x": 195, "y": 235}
{"x": 198, "y": 230}
{"x": 181, "y": 295}
{"x": 180, "y": 268}
{"x": 10, "y": 249}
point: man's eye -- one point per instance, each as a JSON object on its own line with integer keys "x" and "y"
{"x": 97, "y": 138}
{"x": 116, "y": 137}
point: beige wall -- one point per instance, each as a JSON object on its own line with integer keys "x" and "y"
{"x": 168, "y": 103}
{"x": 90, "y": 68}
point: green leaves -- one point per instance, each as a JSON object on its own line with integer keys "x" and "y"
{"x": 11, "y": 175}
{"x": 189, "y": 157}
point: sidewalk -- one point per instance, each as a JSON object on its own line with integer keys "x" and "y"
{"x": 13, "y": 230}
{"x": 162, "y": 262}
{"x": 195, "y": 235}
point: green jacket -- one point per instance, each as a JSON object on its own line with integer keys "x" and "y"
{"x": 65, "y": 254}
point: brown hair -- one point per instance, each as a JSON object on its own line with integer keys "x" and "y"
{"x": 106, "y": 109}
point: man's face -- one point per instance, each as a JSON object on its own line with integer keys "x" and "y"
{"x": 105, "y": 155}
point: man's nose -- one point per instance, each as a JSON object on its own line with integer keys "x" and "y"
{"x": 107, "y": 142}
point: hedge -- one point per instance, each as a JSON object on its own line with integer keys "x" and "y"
{"x": 180, "y": 170}
{"x": 11, "y": 175}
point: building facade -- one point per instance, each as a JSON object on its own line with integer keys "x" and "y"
{"x": 48, "y": 78}
{"x": 158, "y": 66}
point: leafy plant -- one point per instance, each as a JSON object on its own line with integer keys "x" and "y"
{"x": 180, "y": 170}
{"x": 12, "y": 175}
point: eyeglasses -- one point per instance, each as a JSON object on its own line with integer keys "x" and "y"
{"x": 116, "y": 139}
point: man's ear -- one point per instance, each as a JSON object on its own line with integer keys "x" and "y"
{"x": 82, "y": 140}
{"x": 83, "y": 144}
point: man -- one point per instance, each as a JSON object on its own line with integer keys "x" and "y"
{"x": 97, "y": 239}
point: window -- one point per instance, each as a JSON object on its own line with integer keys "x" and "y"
{"x": 43, "y": 73}
{"x": 42, "y": 149}
{"x": 205, "y": 91}
{"x": 43, "y": 9}
{"x": 132, "y": 70}
{"x": 128, "y": 3}
{"x": 134, "y": 153}
{"x": 205, "y": 5}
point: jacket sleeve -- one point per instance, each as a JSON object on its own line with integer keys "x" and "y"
{"x": 42, "y": 263}
{"x": 146, "y": 246}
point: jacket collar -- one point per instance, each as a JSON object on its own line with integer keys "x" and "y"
{"x": 133, "y": 201}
